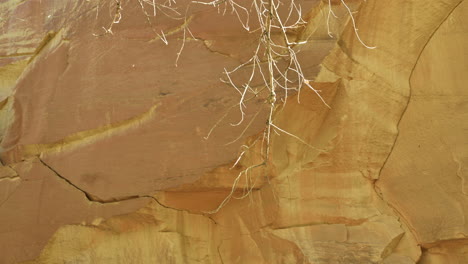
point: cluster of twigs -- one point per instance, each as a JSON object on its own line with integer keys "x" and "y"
{"x": 168, "y": 9}
{"x": 116, "y": 14}
{"x": 274, "y": 63}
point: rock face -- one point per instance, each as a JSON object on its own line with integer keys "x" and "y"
{"x": 105, "y": 161}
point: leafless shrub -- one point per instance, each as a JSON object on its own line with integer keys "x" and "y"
{"x": 277, "y": 78}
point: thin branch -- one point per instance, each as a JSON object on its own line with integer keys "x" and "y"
{"x": 296, "y": 137}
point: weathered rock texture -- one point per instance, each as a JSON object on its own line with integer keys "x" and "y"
{"x": 105, "y": 161}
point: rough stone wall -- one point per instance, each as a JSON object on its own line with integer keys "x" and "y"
{"x": 104, "y": 160}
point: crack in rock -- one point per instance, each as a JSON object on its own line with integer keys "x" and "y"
{"x": 95, "y": 199}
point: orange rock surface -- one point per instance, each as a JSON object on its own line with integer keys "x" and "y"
{"x": 105, "y": 161}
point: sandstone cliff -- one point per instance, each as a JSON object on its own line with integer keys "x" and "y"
{"x": 104, "y": 159}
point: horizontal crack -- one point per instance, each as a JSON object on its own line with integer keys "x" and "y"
{"x": 96, "y": 199}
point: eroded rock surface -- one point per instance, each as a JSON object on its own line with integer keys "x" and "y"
{"x": 105, "y": 161}
{"x": 425, "y": 176}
